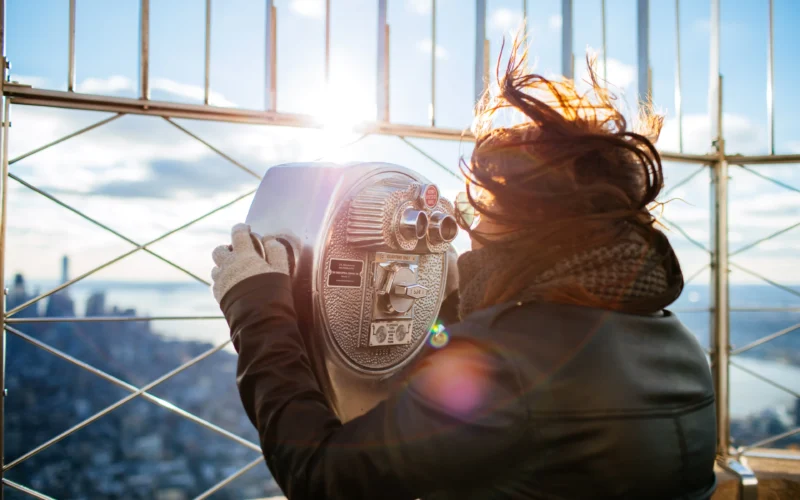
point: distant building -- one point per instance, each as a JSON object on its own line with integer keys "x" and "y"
{"x": 18, "y": 295}
{"x": 60, "y": 304}
{"x": 96, "y": 304}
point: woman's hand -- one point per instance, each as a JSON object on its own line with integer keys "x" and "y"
{"x": 240, "y": 260}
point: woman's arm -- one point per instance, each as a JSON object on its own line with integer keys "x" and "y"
{"x": 457, "y": 421}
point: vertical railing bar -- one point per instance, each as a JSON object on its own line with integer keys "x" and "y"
{"x": 381, "y": 91}
{"x": 327, "y": 44}
{"x": 480, "y": 48}
{"x": 713, "y": 74}
{"x": 274, "y": 57}
{"x": 144, "y": 50}
{"x": 432, "y": 112}
{"x": 567, "y": 65}
{"x": 3, "y": 231}
{"x": 207, "y": 83}
{"x": 605, "y": 46}
{"x": 643, "y": 49}
{"x": 720, "y": 332}
{"x": 270, "y": 54}
{"x": 771, "y": 83}
{"x": 678, "y": 97}
{"x": 525, "y": 20}
{"x": 71, "y": 62}
{"x": 387, "y": 78}
{"x": 3, "y": 36}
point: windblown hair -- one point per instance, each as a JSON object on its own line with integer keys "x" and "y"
{"x": 570, "y": 177}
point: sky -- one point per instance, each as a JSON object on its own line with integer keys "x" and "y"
{"x": 142, "y": 176}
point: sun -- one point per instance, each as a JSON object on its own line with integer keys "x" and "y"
{"x": 342, "y": 107}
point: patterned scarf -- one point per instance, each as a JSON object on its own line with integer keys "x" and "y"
{"x": 628, "y": 275}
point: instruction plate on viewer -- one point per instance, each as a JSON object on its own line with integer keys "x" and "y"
{"x": 384, "y": 333}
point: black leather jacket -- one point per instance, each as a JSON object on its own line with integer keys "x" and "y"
{"x": 525, "y": 401}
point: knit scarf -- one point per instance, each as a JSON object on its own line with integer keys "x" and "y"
{"x": 628, "y": 275}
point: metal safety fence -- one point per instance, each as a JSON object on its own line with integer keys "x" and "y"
{"x": 716, "y": 164}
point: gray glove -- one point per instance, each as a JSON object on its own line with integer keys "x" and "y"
{"x": 240, "y": 260}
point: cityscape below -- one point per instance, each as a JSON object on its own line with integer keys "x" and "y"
{"x": 144, "y": 450}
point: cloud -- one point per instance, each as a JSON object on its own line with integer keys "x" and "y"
{"x": 308, "y": 8}
{"x": 111, "y": 85}
{"x": 116, "y": 84}
{"x": 554, "y": 22}
{"x": 34, "y": 81}
{"x": 420, "y": 7}
{"x": 504, "y": 19}
{"x": 173, "y": 180}
{"x": 425, "y": 46}
{"x": 742, "y": 136}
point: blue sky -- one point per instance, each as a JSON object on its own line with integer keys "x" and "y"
{"x": 143, "y": 177}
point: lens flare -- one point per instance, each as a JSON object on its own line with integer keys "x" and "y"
{"x": 439, "y": 336}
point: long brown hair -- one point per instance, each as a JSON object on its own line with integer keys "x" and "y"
{"x": 571, "y": 176}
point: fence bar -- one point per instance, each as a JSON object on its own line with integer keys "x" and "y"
{"x": 106, "y": 319}
{"x": 765, "y": 339}
{"x": 3, "y": 230}
{"x": 714, "y": 80}
{"x": 771, "y": 83}
{"x": 432, "y": 112}
{"x": 525, "y": 20}
{"x": 678, "y": 99}
{"x": 605, "y": 46}
{"x": 207, "y": 83}
{"x": 228, "y": 480}
{"x": 567, "y": 65}
{"x": 71, "y": 63}
{"x": 131, "y": 388}
{"x": 65, "y": 138}
{"x": 480, "y": 48}
{"x": 720, "y": 318}
{"x": 643, "y": 49}
{"x": 327, "y": 43}
{"x": 26, "y": 490}
{"x": 108, "y": 409}
{"x": 144, "y": 50}
{"x": 382, "y": 81}
{"x": 742, "y": 450}
{"x": 3, "y": 44}
{"x": 271, "y": 53}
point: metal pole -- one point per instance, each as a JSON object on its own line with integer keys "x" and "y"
{"x": 271, "y": 53}
{"x": 327, "y": 42}
{"x": 605, "y": 47}
{"x": 720, "y": 330}
{"x": 678, "y": 103}
{"x": 3, "y": 35}
{"x": 3, "y": 229}
{"x": 207, "y": 84}
{"x": 480, "y": 48}
{"x": 525, "y": 20}
{"x": 432, "y": 112}
{"x": 566, "y": 39}
{"x": 3, "y": 210}
{"x": 643, "y": 49}
{"x": 144, "y": 50}
{"x": 381, "y": 82}
{"x": 71, "y": 62}
{"x": 771, "y": 84}
{"x": 714, "y": 102}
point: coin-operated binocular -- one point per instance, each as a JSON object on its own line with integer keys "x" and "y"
{"x": 368, "y": 259}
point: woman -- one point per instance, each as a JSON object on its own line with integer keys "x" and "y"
{"x": 565, "y": 376}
